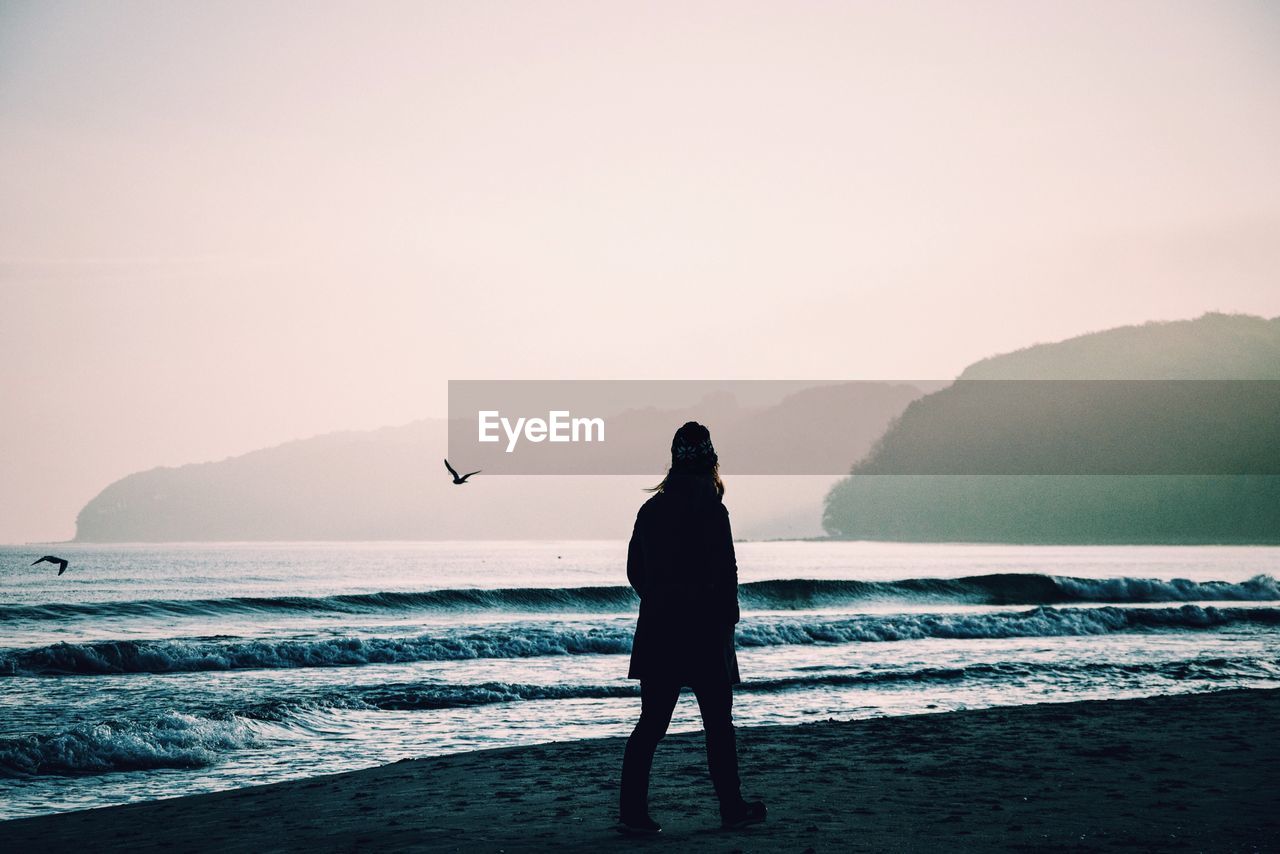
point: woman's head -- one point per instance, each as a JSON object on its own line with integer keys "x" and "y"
{"x": 693, "y": 454}
{"x": 692, "y": 451}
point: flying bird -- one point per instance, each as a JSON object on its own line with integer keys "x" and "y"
{"x": 62, "y": 564}
{"x": 459, "y": 479}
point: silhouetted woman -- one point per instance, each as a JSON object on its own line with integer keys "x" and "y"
{"x": 681, "y": 562}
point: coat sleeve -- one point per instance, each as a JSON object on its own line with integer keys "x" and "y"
{"x": 635, "y": 560}
{"x": 729, "y": 570}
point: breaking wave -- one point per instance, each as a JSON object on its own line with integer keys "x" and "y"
{"x": 416, "y": 696}
{"x": 170, "y": 740}
{"x": 536, "y": 640}
{"x": 178, "y": 740}
{"x": 788, "y": 594}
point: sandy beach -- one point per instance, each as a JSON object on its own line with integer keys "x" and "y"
{"x": 1195, "y": 773}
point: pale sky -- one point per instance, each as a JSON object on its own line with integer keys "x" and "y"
{"x": 227, "y": 225}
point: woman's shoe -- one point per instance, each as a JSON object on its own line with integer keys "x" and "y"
{"x": 742, "y": 814}
{"x": 638, "y": 826}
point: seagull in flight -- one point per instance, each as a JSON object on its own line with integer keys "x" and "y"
{"x": 458, "y": 480}
{"x": 62, "y": 564}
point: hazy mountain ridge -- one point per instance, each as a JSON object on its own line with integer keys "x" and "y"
{"x": 304, "y": 489}
{"x": 1210, "y": 347}
{"x": 389, "y": 484}
{"x": 1203, "y": 478}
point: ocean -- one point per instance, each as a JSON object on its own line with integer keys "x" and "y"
{"x": 152, "y": 671}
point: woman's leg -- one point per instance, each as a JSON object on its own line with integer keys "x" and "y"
{"x": 715, "y": 701}
{"x": 657, "y": 702}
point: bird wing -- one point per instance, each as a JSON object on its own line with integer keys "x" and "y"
{"x": 468, "y": 474}
{"x": 451, "y": 469}
{"x": 62, "y": 563}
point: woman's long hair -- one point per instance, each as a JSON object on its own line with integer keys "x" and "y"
{"x": 714, "y": 474}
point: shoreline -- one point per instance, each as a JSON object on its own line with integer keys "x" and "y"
{"x": 813, "y": 539}
{"x": 1190, "y": 771}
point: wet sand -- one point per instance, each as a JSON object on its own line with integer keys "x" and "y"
{"x": 1194, "y": 773}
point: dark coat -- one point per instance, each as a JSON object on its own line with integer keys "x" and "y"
{"x": 681, "y": 562}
